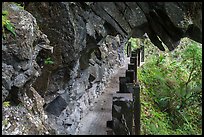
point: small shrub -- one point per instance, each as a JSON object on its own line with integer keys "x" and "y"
{"x": 6, "y": 24}
{"x": 49, "y": 61}
{"x": 173, "y": 82}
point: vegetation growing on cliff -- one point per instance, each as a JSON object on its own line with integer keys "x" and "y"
{"x": 171, "y": 95}
{"x": 6, "y": 24}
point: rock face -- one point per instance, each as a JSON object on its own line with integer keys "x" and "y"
{"x": 84, "y": 58}
{"x": 85, "y": 41}
{"x": 25, "y": 115}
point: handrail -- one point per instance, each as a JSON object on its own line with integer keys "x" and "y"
{"x": 129, "y": 85}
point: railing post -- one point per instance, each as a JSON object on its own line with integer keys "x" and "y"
{"x": 135, "y": 89}
{"x": 129, "y": 48}
{"x": 134, "y": 61}
{"x": 130, "y": 74}
{"x": 138, "y": 56}
{"x": 122, "y": 86}
{"x": 142, "y": 53}
{"x": 122, "y": 115}
{"x": 131, "y": 66}
{"x": 134, "y": 53}
{"x": 137, "y": 108}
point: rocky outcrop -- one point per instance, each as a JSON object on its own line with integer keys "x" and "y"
{"x": 85, "y": 57}
{"x": 60, "y": 93}
{"x": 85, "y": 41}
{"x": 24, "y": 112}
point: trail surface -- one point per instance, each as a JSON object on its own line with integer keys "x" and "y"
{"x": 94, "y": 123}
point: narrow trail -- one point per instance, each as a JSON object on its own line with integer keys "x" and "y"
{"x": 94, "y": 123}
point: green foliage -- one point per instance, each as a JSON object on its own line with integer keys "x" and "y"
{"x": 7, "y": 24}
{"x": 153, "y": 122}
{"x": 6, "y": 103}
{"x": 172, "y": 82}
{"x": 134, "y": 42}
{"x": 5, "y": 122}
{"x": 19, "y": 5}
{"x": 49, "y": 61}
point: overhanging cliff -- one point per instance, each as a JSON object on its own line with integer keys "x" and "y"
{"x": 85, "y": 40}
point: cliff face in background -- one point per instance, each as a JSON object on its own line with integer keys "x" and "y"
{"x": 85, "y": 40}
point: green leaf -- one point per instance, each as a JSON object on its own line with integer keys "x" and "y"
{"x": 9, "y": 27}
{"x": 7, "y": 24}
{"x": 6, "y": 104}
{"x": 5, "y": 12}
{"x": 49, "y": 61}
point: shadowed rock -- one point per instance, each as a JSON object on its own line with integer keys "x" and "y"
{"x": 56, "y": 106}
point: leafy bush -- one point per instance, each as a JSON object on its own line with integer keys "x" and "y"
{"x": 173, "y": 81}
{"x": 134, "y": 42}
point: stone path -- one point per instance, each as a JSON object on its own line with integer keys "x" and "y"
{"x": 94, "y": 123}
